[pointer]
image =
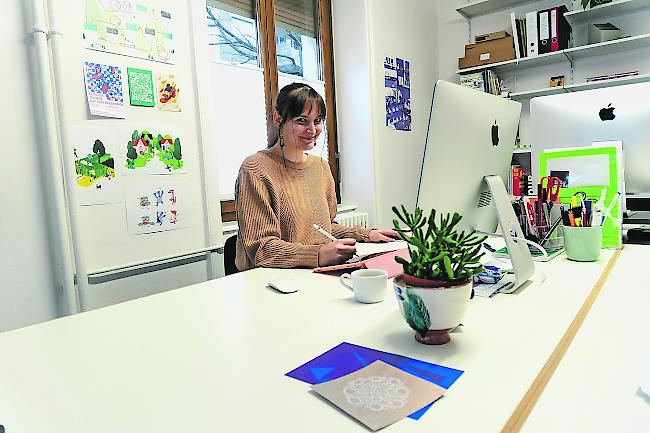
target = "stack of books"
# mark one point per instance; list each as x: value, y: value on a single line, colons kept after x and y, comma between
x: 485, y: 81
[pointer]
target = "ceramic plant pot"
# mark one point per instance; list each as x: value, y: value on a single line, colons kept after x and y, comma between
x: 431, y: 308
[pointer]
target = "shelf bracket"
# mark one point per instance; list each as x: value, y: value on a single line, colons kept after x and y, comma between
x: 572, y: 70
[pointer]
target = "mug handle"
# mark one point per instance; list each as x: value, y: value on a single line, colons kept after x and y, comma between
x: 346, y: 277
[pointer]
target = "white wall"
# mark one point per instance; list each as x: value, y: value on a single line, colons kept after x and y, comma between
x: 380, y: 167
x: 28, y: 292
x: 455, y: 31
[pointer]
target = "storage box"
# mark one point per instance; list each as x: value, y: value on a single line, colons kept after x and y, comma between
x: 493, y: 50
x: 602, y: 33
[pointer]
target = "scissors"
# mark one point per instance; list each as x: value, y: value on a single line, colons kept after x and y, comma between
x: 550, y: 188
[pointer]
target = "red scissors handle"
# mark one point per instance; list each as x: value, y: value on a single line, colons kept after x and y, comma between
x: 551, y: 188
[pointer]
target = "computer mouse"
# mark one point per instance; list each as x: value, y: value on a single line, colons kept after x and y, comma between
x: 283, y: 285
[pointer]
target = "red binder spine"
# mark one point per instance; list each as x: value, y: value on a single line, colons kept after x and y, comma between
x: 555, y: 42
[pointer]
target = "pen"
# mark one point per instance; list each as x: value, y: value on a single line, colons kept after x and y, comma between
x: 324, y: 233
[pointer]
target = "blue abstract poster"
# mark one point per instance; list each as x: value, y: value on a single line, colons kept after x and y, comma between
x: 347, y: 358
x: 397, y: 83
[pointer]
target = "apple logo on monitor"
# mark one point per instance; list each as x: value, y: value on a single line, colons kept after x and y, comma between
x: 607, y: 113
x: 495, y: 134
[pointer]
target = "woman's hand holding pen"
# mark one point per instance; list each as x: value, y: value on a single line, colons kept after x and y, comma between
x: 336, y: 252
x: 383, y: 235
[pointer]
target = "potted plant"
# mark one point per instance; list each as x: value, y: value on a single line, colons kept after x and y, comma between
x: 592, y: 3
x: 436, y: 286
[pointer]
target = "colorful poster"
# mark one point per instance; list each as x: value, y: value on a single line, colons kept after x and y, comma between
x: 96, y: 180
x: 155, y: 150
x: 397, y: 83
x: 168, y: 93
x: 104, y: 90
x: 155, y: 208
x: 140, y: 87
x: 130, y: 28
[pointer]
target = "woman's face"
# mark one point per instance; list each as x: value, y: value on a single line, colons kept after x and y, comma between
x: 302, y: 131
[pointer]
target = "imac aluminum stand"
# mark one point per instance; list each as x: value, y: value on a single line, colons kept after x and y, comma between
x: 522, y: 262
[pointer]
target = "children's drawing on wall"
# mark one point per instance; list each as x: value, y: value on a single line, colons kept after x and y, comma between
x: 140, y: 87
x: 130, y: 28
x: 157, y: 207
x: 96, y: 180
x: 104, y: 90
x: 155, y: 151
x: 397, y: 83
x: 168, y: 93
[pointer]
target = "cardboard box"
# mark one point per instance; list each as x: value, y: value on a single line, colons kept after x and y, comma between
x: 602, y: 33
x: 490, y: 36
x: 491, y: 51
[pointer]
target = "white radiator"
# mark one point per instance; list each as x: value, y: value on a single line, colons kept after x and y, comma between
x: 350, y: 219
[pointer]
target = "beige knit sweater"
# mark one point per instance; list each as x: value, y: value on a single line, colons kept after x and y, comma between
x: 277, y: 207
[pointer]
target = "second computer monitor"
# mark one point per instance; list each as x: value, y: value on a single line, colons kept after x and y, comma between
x: 471, y: 135
x: 619, y: 113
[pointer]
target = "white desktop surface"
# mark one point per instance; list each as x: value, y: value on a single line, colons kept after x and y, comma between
x: 596, y: 385
x: 212, y: 357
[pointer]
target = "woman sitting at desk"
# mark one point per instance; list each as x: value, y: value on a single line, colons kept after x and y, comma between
x: 281, y: 192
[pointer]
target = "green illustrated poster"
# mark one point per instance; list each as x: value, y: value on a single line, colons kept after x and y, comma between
x: 158, y: 150
x: 140, y: 87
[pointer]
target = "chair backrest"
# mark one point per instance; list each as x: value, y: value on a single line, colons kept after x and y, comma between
x: 229, y: 253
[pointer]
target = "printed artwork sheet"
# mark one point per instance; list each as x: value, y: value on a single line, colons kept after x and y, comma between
x: 379, y: 394
x: 152, y: 149
x: 104, y: 90
x: 140, y: 87
x: 95, y: 160
x: 168, y: 92
x: 157, y: 207
x: 131, y: 28
x: 397, y: 85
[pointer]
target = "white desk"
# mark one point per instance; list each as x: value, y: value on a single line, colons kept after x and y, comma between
x: 212, y: 357
x: 595, y: 387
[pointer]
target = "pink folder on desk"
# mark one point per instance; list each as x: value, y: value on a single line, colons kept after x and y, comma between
x: 385, y: 261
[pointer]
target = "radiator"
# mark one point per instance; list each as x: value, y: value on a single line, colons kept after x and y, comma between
x: 350, y: 219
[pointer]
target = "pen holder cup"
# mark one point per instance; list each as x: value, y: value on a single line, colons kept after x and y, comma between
x: 583, y: 244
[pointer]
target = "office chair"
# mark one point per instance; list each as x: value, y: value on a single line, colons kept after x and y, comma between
x: 229, y: 253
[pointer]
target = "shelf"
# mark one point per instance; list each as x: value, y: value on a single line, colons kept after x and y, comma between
x: 617, y: 45
x: 484, y: 7
x: 580, y: 87
x: 524, y: 150
x: 514, y: 64
x: 614, y: 8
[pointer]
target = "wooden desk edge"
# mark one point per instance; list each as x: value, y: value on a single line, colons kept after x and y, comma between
x: 527, y: 403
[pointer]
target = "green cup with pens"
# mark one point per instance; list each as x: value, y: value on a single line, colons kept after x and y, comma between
x: 583, y: 227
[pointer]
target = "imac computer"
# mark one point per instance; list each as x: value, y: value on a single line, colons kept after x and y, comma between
x: 620, y: 113
x: 466, y: 162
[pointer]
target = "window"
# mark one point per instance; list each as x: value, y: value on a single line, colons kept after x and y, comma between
x: 247, y: 72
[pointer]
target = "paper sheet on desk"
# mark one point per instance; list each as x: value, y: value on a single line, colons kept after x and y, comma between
x: 346, y: 358
x: 364, y: 249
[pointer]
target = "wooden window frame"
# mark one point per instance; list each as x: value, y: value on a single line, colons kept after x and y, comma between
x: 266, y: 24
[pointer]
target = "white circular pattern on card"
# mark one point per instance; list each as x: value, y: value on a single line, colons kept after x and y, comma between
x: 377, y: 393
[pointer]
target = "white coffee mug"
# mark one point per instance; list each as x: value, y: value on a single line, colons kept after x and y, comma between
x: 368, y: 285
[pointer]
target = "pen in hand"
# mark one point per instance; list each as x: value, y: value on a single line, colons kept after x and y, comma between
x: 319, y: 229
x: 324, y: 233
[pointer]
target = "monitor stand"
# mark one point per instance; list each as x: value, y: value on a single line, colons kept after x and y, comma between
x: 522, y: 262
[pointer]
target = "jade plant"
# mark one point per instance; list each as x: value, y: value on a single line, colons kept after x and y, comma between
x: 438, y: 251
x: 592, y: 3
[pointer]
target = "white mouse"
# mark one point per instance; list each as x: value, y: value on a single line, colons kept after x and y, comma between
x: 283, y: 285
